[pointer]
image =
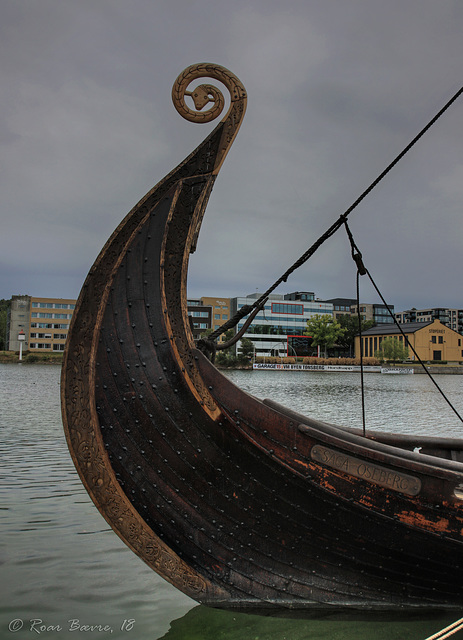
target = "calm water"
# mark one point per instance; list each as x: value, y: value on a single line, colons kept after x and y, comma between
x: 60, y: 562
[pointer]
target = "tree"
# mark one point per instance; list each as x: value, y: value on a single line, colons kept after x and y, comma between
x: 324, y: 331
x: 392, y: 349
x: 247, y: 349
x: 4, y: 306
x: 351, y: 325
x: 227, y: 357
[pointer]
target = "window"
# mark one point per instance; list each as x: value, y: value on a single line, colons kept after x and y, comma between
x: 58, y: 347
x: 297, y: 309
x: 433, y: 339
x: 441, y: 339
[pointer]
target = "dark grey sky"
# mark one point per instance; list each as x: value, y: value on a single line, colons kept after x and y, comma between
x: 336, y: 89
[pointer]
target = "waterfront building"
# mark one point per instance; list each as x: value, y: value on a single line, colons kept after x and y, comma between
x: 452, y: 318
x: 432, y: 341
x: 44, y: 321
x: 378, y: 313
x: 220, y: 310
x: 279, y: 328
x: 200, y: 317
x: 206, y: 313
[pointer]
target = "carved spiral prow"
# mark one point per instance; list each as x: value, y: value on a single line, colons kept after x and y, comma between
x: 206, y: 94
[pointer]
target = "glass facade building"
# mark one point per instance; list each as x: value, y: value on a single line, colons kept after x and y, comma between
x: 279, y: 328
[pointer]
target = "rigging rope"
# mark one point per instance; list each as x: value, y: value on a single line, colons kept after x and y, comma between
x: 362, y: 270
x: 362, y: 385
x: 334, y: 227
x: 208, y: 344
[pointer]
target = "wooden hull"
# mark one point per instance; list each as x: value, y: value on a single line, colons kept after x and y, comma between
x: 236, y: 502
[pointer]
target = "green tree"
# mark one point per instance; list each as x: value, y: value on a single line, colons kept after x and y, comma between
x: 324, y: 331
x: 227, y: 357
x: 392, y: 349
x: 4, y: 306
x: 247, y: 349
x: 351, y: 326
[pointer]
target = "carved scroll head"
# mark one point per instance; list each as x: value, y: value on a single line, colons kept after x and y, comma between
x: 206, y: 94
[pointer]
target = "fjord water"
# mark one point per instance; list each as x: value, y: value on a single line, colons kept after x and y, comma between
x: 64, y: 571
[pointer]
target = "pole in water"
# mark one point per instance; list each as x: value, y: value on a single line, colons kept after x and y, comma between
x: 448, y: 631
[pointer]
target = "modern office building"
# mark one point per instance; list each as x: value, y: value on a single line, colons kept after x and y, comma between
x: 208, y: 313
x: 220, y: 309
x: 279, y: 329
x: 452, y: 318
x: 200, y: 317
x: 431, y: 340
x: 45, y: 322
x: 378, y: 313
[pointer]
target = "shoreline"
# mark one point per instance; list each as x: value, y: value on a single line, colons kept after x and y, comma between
x: 10, y: 357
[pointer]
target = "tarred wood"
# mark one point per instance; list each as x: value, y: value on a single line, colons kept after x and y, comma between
x: 235, y: 501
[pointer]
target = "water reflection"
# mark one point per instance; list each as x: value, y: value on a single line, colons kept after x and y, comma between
x: 405, y: 403
x: 59, y: 560
x: 203, y: 623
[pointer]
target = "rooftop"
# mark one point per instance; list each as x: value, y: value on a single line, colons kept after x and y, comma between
x: 391, y: 328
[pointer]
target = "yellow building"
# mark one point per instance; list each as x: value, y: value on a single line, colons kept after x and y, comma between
x: 432, y: 341
x: 220, y: 311
x: 44, y: 321
x: 49, y: 323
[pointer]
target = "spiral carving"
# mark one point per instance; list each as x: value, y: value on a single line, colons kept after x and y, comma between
x: 205, y: 94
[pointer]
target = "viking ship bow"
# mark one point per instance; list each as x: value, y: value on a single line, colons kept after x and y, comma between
x: 235, y: 501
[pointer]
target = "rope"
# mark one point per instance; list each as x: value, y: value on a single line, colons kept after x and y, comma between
x: 340, y: 221
x: 343, y: 217
x: 361, y: 268
x: 448, y: 631
x: 361, y: 271
x: 362, y: 383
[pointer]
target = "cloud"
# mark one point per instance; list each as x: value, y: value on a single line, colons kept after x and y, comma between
x: 336, y: 90
x: 450, y: 186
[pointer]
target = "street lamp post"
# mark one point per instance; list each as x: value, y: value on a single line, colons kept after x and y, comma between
x: 21, y: 339
x: 290, y: 346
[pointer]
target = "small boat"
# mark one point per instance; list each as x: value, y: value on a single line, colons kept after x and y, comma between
x: 236, y: 501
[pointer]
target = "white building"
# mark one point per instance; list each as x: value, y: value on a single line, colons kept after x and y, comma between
x: 279, y: 328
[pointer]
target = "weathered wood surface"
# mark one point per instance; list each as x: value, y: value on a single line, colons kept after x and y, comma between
x: 235, y: 502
